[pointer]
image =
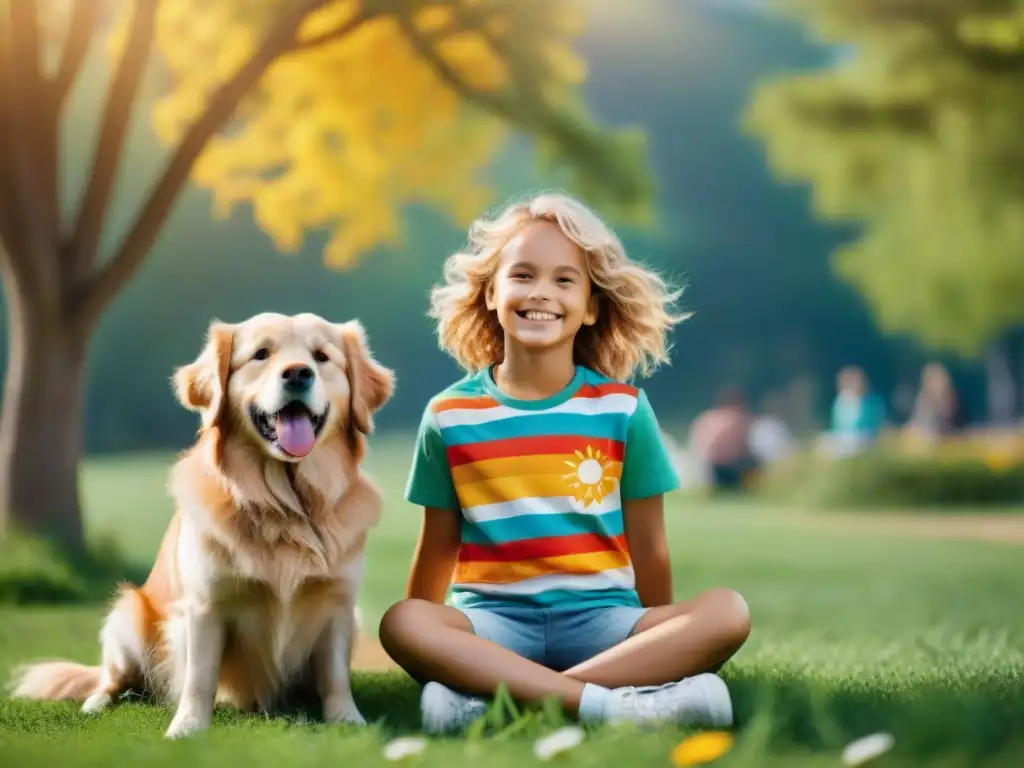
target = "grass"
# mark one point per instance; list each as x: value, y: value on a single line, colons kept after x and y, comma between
x: 854, y: 632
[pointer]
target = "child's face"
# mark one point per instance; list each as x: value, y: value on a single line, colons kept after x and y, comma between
x: 852, y: 382
x: 541, y: 290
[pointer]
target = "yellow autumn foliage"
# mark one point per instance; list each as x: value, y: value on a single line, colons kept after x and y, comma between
x: 342, y: 134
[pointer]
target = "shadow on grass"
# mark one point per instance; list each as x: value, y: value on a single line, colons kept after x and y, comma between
x: 36, y: 572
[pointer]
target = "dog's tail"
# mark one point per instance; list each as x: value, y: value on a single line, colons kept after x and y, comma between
x: 55, y: 681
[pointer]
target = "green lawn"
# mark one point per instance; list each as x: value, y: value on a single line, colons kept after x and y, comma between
x: 853, y: 632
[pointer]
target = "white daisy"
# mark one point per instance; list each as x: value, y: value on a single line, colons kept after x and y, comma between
x: 557, y: 742
x: 867, y: 748
x: 407, y: 746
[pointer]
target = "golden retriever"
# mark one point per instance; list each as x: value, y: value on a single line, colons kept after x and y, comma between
x: 254, y: 587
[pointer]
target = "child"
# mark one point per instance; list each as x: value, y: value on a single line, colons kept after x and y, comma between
x: 858, y: 414
x: 541, y: 475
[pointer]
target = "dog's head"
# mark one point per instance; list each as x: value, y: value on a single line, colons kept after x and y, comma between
x: 286, y: 383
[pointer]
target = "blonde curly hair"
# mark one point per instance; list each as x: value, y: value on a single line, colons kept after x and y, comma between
x: 634, y: 303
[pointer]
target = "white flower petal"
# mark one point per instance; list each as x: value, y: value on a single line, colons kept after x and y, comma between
x: 407, y: 746
x: 867, y: 748
x: 557, y: 742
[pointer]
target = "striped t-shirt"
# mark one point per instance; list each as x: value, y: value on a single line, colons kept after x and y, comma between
x: 540, y: 486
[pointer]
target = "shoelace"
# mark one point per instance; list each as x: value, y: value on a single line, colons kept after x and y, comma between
x: 649, y: 701
x: 662, y: 687
x: 658, y: 700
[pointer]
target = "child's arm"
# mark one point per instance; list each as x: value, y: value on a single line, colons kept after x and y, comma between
x: 436, y: 554
x: 647, y: 475
x: 430, y: 487
x: 644, y: 520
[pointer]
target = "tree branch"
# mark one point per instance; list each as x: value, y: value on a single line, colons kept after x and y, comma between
x: 80, y: 31
x: 334, y: 35
x: 528, y: 82
x: 532, y: 114
x: 30, y: 149
x: 426, y: 49
x: 97, y: 292
x: 365, y: 14
x: 9, y: 203
x: 92, y: 214
x: 600, y: 165
x: 25, y: 41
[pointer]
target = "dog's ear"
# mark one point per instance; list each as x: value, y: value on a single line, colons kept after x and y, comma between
x: 202, y: 384
x: 370, y: 384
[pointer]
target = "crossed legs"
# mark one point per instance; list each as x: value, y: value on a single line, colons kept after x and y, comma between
x: 436, y: 642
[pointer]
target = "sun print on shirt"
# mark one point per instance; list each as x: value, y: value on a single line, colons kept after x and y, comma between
x: 591, y: 478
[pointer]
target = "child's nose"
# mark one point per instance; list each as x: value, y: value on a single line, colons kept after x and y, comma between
x: 540, y: 290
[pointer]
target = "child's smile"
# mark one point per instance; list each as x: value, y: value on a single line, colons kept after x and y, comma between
x: 537, y: 315
x: 541, y: 292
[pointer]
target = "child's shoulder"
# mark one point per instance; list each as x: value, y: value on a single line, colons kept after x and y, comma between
x: 469, y: 387
x: 597, y: 384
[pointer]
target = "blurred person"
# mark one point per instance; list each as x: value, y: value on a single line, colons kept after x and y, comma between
x: 858, y: 414
x: 770, y: 438
x: 721, y: 438
x: 541, y: 476
x: 937, y: 412
x: 690, y: 471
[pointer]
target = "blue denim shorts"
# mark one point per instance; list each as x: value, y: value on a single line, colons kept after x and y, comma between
x: 559, y: 638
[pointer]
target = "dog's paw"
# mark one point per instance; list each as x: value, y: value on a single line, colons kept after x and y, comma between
x: 185, y: 723
x: 355, y: 717
x: 352, y: 717
x: 97, y: 702
x: 343, y: 710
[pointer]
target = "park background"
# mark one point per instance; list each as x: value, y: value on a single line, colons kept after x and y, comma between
x: 771, y: 314
x: 761, y: 196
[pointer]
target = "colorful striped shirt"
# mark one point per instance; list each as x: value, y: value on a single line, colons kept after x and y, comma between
x: 540, y: 486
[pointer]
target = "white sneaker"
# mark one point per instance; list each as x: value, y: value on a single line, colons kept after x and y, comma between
x: 443, y: 710
x: 702, y: 700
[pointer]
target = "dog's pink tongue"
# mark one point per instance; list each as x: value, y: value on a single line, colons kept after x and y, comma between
x: 295, y: 433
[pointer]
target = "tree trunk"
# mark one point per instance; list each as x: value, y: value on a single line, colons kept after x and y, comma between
x: 41, y: 426
x: 57, y: 288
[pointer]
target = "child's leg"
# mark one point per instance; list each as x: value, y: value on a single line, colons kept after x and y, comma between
x: 436, y: 643
x: 671, y: 642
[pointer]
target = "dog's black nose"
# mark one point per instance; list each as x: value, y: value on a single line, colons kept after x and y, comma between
x: 297, y: 378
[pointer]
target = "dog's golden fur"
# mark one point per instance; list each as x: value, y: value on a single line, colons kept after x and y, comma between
x: 264, y: 555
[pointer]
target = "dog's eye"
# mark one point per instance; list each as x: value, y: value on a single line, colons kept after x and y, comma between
x: 320, y: 356
x: 261, y: 354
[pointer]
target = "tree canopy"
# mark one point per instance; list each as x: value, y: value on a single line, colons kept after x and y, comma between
x: 382, y: 103
x: 321, y: 114
x: 913, y: 134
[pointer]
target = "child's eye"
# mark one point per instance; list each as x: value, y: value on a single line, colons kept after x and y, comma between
x: 520, y: 276
x: 565, y: 280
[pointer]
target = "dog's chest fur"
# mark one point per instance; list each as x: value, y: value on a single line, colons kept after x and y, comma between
x: 275, y: 573
x: 277, y: 558
x: 293, y: 538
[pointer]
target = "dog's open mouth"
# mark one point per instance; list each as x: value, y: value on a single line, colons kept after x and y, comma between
x: 293, y: 429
